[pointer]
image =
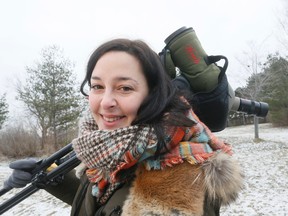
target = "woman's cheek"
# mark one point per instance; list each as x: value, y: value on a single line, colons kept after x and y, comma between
x: 92, y: 103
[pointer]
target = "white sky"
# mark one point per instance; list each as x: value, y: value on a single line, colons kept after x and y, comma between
x: 78, y: 27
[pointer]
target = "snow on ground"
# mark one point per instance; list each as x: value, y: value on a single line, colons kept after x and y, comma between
x: 264, y: 162
x: 265, y: 165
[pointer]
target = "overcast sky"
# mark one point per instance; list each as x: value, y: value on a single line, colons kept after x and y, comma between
x: 224, y: 27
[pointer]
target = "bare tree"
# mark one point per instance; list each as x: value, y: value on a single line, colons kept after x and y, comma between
x: 252, y: 64
x: 283, y: 22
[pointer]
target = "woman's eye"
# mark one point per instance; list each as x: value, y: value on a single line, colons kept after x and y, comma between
x: 96, y: 87
x: 126, y: 88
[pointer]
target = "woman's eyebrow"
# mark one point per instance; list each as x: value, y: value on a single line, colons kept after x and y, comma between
x: 95, y: 78
x: 120, y: 78
x: 126, y: 78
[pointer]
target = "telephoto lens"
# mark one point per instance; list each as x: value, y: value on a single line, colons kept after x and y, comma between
x: 260, y: 109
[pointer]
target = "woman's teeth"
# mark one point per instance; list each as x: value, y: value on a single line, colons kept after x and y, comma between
x: 111, y: 119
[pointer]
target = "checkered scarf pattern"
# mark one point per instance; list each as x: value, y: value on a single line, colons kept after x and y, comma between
x: 109, y: 153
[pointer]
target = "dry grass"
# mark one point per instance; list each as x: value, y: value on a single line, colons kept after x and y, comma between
x: 17, y: 142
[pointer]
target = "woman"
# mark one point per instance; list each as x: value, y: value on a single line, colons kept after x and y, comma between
x: 142, y: 148
x: 143, y: 131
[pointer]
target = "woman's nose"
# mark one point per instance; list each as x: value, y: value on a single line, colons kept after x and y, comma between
x: 108, y: 100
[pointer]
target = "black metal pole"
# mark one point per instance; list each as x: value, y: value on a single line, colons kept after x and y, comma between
x: 38, y: 182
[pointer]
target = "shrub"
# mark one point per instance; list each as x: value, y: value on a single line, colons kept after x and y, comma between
x: 17, y: 142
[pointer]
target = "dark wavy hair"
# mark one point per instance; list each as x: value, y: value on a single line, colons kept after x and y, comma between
x: 162, y: 98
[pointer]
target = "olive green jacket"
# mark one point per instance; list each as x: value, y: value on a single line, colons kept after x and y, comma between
x: 184, y: 189
x: 77, y: 193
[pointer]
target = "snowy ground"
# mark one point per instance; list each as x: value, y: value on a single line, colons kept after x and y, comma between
x: 265, y: 164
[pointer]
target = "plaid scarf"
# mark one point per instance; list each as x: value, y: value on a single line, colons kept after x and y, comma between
x: 110, y: 155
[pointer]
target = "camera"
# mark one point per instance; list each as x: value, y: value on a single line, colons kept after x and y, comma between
x: 190, y: 68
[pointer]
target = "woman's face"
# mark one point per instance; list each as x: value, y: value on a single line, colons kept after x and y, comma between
x: 118, y: 88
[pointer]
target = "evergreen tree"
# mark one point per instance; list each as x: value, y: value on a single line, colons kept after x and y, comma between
x: 50, y: 95
x: 275, y: 91
x: 3, y: 110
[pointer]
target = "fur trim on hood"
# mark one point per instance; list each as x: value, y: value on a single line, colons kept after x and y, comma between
x: 223, y: 178
x: 182, y: 188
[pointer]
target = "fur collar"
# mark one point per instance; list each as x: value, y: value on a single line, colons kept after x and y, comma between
x: 182, y: 188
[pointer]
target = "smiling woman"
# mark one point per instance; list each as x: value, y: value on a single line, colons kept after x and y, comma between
x: 143, y: 151
x: 135, y: 116
x: 118, y: 88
